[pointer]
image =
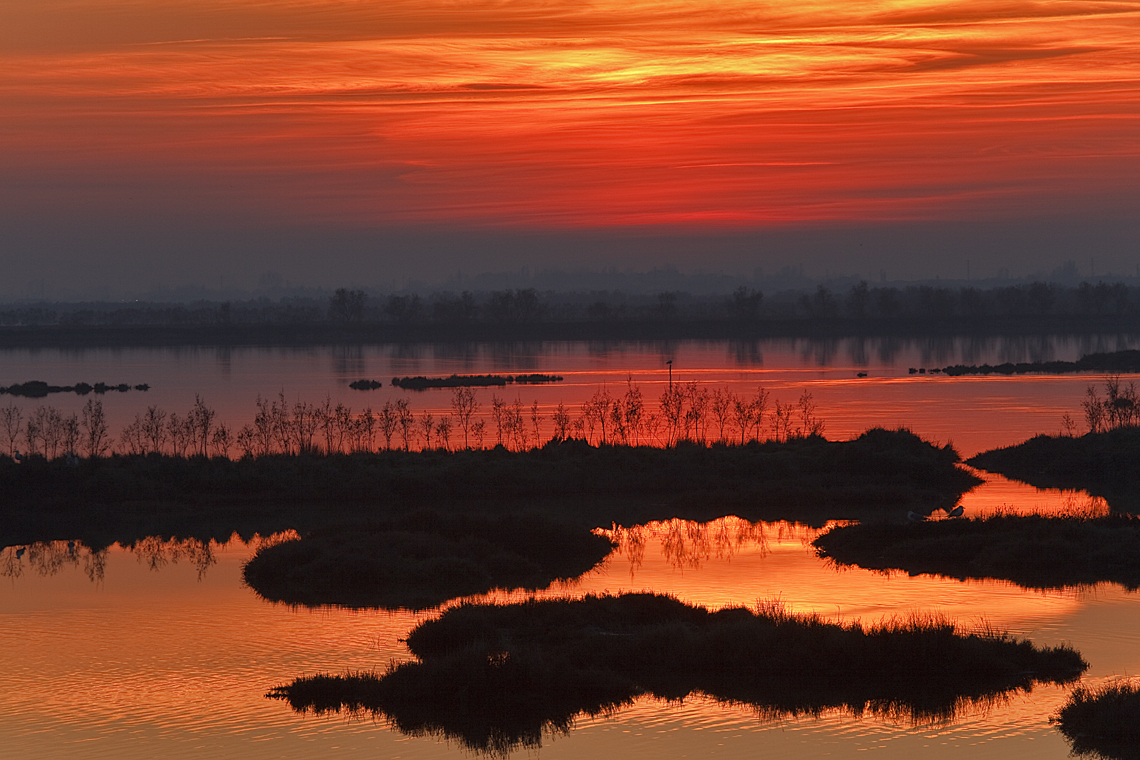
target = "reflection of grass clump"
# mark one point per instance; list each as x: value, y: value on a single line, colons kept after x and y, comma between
x: 1033, y: 551
x: 497, y: 676
x: 1104, y: 722
x: 422, y: 560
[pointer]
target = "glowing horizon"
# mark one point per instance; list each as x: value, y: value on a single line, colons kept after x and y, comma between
x: 558, y: 115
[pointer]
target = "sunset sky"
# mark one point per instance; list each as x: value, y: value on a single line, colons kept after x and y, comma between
x: 149, y: 142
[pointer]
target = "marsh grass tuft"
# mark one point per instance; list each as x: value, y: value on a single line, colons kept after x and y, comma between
x: 501, y: 676
x: 1033, y: 551
x: 1103, y: 722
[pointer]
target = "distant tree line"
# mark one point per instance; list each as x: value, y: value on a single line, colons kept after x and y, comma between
x: 859, y: 304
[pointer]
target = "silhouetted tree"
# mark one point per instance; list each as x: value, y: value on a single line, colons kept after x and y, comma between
x: 200, y: 420
x: 11, y: 422
x: 347, y: 305
x: 94, y: 423
x: 404, y: 420
x: 403, y: 308
x: 561, y: 420
x: 443, y: 431
x: 744, y: 304
x: 858, y: 299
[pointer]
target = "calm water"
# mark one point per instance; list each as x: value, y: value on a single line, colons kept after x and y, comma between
x: 158, y: 650
x: 974, y: 413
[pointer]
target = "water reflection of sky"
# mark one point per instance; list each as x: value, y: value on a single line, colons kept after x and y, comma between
x: 168, y: 655
x: 974, y: 413
x: 158, y: 650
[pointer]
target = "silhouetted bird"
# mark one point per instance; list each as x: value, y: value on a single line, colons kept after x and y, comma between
x: 18, y: 456
x: 957, y: 511
x: 20, y: 552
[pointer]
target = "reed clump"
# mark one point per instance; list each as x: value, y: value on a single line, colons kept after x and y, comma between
x: 500, y: 676
x: 1033, y: 551
x: 1103, y: 722
x: 422, y: 560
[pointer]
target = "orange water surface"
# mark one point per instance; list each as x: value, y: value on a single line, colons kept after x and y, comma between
x: 159, y: 650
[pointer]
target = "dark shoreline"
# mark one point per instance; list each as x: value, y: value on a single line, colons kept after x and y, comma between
x: 375, y: 333
x: 1113, y: 362
x: 1032, y: 551
x: 1106, y: 464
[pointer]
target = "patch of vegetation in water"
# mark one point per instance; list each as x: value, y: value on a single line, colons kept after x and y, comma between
x: 1033, y: 551
x: 497, y: 677
x: 1105, y: 464
x: 422, y: 560
x: 420, y: 382
x: 1115, y: 361
x: 1103, y: 722
x: 40, y: 389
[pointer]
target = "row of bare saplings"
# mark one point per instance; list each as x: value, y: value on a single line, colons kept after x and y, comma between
x: 685, y: 412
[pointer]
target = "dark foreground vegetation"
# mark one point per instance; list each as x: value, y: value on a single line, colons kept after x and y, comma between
x: 497, y: 677
x: 421, y: 383
x: 422, y: 560
x: 1115, y: 362
x: 1104, y: 722
x: 1030, y: 550
x: 809, y: 479
x: 40, y: 389
x: 354, y: 316
x: 1106, y: 464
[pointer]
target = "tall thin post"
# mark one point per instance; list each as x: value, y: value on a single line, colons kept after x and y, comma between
x: 670, y: 363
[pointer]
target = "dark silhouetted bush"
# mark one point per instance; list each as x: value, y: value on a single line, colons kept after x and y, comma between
x: 422, y: 560
x: 500, y: 676
x: 1104, y: 722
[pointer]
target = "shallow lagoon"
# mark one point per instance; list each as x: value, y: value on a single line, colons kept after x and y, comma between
x: 166, y: 654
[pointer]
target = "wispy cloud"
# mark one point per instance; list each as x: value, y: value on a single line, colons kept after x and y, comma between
x: 577, y: 113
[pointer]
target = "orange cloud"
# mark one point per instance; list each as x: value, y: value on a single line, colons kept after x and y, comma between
x: 569, y: 114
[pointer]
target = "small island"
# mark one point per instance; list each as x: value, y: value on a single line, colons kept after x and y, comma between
x: 500, y: 677
x: 420, y: 383
x: 1033, y: 551
x: 422, y: 560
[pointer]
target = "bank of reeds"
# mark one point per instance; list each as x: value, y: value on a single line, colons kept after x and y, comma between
x: 1033, y: 551
x: 422, y: 560
x: 806, y: 479
x: 499, y: 676
x: 1103, y: 722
